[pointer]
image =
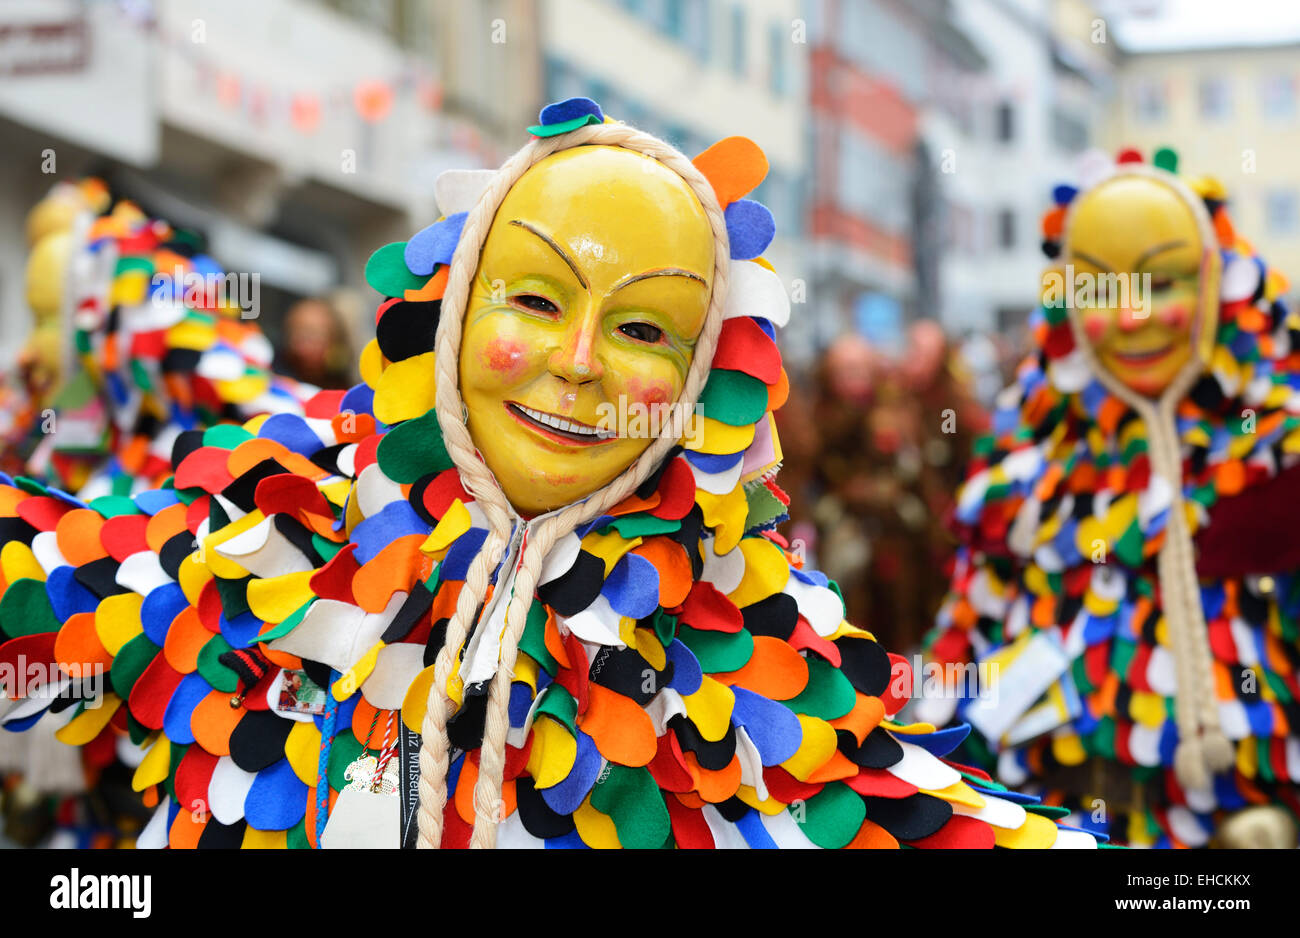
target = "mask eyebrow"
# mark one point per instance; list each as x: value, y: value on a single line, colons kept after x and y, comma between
x: 1100, y: 265
x: 556, y: 248
x: 1158, y: 249
x: 666, y: 272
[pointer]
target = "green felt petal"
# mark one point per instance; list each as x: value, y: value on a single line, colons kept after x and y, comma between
x: 110, y: 506
x: 413, y: 449
x: 25, y: 609
x: 554, y: 130
x: 642, y: 525
x: 225, y: 436
x: 288, y: 625
x: 631, y: 798
x: 828, y: 696
x: 214, y: 672
x: 833, y: 816
x: 733, y: 398
x: 560, y: 704
x: 129, y: 663
x: 343, y: 753
x: 387, y: 272
x: 718, y: 651
x: 533, y: 641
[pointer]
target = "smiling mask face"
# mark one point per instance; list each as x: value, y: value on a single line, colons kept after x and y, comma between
x: 1141, y: 328
x: 592, y: 288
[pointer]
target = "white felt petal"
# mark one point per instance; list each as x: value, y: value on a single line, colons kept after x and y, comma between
x: 1201, y: 800
x: 820, y: 605
x: 1184, y: 826
x: 227, y: 790
x: 920, y: 768
x: 598, y: 623
x: 1074, y: 840
x: 512, y: 835
x: 1244, y: 638
x: 725, y: 572
x: 1293, y: 758
x: 338, y: 633
x: 1240, y: 278
x: 233, y: 511
x: 375, y: 490
x: 756, y: 291
x: 1070, y: 374
x: 346, y: 460
x: 324, y: 429
x: 395, y: 668
x: 751, y: 763
x: 663, y: 707
x: 220, y: 365
x: 1160, y: 672
x: 1005, y: 814
x: 264, y: 552
x: 154, y: 835
x: 717, y: 483
x: 142, y: 572
x: 458, y: 190
x: 152, y: 314
x: 45, y: 547
x: 130, y: 754
x: 1009, y: 769
x: 257, y: 348
x: 560, y: 559
x: 786, y: 832
x: 726, y: 836
x: 1144, y: 744
x: 38, y: 699
x: 1233, y: 719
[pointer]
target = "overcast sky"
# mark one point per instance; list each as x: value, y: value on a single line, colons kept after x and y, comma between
x: 1190, y: 24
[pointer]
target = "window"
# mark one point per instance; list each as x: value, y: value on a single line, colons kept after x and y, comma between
x: 1277, y: 96
x: 1069, y: 132
x: 1216, y: 99
x: 674, y: 18
x: 1006, y: 122
x: 736, y: 56
x: 1150, y: 101
x: 1281, y: 212
x: 1007, y: 229
x: 777, y: 43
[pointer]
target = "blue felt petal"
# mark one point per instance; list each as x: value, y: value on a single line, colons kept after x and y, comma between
x: 27, y: 722
x: 751, y: 828
x: 176, y: 718
x: 632, y: 587
x: 397, y: 519
x: 713, y: 462
x: 773, y: 727
x: 940, y: 742
x: 65, y: 497
x: 461, y: 554
x: 568, y: 109
x: 67, y: 596
x: 687, y: 673
x: 239, y: 632
x: 360, y: 399
x: 434, y: 245
x: 153, y: 501
x: 160, y: 609
x: 766, y: 326
x: 1014, y: 796
x: 277, y: 799
x: 570, y: 841
x: 751, y: 228
x: 292, y: 431
x: 521, y: 701
x: 566, y: 796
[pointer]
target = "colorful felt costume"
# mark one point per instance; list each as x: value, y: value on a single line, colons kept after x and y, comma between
x: 1136, y: 594
x: 678, y: 680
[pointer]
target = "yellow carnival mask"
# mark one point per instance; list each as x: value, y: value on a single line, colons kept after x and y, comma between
x: 1141, y: 245
x: 591, y: 290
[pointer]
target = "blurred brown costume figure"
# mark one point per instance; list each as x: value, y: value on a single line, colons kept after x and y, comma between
x: 874, y: 460
x: 316, y: 347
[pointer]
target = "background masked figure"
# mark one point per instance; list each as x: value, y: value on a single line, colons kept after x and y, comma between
x: 1131, y: 536
x: 591, y: 624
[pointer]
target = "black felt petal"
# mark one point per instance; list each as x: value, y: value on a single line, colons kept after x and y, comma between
x: 234, y: 595
x: 408, y: 617
x: 865, y: 664
x: 578, y: 588
x: 651, y: 484
x: 318, y: 671
x: 328, y: 458
x: 437, y: 635
x: 416, y: 497
x: 624, y: 671
x: 16, y: 529
x: 536, y: 815
x: 100, y: 577
x: 218, y: 836
x: 777, y: 616
x: 178, y: 547
x: 688, y: 535
x: 878, y: 751
x: 465, y: 729
x: 407, y: 329
x: 180, y: 360
x: 297, y: 534
x: 711, y: 756
x: 909, y: 818
x: 257, y: 741
x: 186, y: 443
x: 733, y: 809
x: 241, y: 491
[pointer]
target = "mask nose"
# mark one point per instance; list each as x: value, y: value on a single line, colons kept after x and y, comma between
x: 575, y: 360
x: 1130, y: 320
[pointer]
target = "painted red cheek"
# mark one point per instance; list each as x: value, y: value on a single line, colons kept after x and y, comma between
x: 1175, y: 316
x: 650, y: 392
x: 506, y: 357
x: 1094, y: 327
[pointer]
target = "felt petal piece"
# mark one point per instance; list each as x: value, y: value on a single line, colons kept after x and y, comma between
x: 743, y: 346
x: 434, y: 245
x: 833, y: 816
x: 458, y: 190
x: 632, y: 587
x: 567, y: 796
x: 634, y: 802
x: 756, y: 291
x: 277, y: 799
x: 734, y: 167
x: 620, y: 728
x: 751, y: 228
x: 387, y: 272
x: 733, y: 397
x: 773, y: 728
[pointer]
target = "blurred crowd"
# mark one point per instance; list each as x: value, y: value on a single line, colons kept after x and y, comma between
x: 875, y: 448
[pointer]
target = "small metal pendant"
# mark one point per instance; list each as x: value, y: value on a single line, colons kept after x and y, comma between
x: 361, y: 772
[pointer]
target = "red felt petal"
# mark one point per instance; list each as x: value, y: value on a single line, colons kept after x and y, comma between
x: 43, y: 512
x: 881, y: 784
x: 668, y: 767
x: 205, y: 468
x: 894, y: 696
x: 324, y: 404
x: 785, y: 788
x: 290, y: 494
x: 690, y: 829
x: 960, y: 833
x: 442, y: 491
x: 17, y: 654
x: 366, y: 453
x: 152, y: 692
x: 707, y: 608
x: 193, y: 776
x: 803, y: 638
x: 124, y: 535
x: 197, y: 513
x: 676, y: 492
x: 744, y: 346
x: 334, y: 580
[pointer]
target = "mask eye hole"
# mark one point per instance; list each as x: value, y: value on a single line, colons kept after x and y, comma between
x: 1161, y: 283
x: 533, y: 303
x: 642, y: 332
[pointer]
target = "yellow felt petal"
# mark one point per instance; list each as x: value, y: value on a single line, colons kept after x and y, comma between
x: 128, y: 288
x: 651, y: 649
x: 450, y: 526
x: 264, y: 840
x: 356, y: 675
x: 193, y: 576
x: 908, y: 729
x: 117, y: 620
x: 245, y: 389
x: 713, y: 437
x: 726, y: 514
x: 710, y: 708
x: 372, y: 363
x: 1068, y: 748
x: 553, y: 753
x: 771, y: 806
x: 1147, y: 708
x: 526, y: 671
x: 88, y: 724
x: 416, y: 701
x: 766, y: 571
x: 221, y: 566
x: 609, y: 547
x: 814, y: 751
x: 302, y: 749
x: 254, y: 424
x: 337, y: 491
x: 596, y: 830
x: 192, y: 334
x: 957, y: 793
x: 277, y: 598
x: 154, y: 766
x: 1037, y: 833
x: 18, y: 562
x: 405, y: 389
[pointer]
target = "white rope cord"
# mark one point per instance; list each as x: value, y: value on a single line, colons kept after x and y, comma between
x: 478, y: 479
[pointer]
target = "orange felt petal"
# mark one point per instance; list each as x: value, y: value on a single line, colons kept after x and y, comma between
x: 186, y: 829
x: 77, y: 646
x: 185, y: 639
x: 734, y: 167
x: 77, y: 535
x: 775, y: 670
x: 396, y: 567
x: 165, y: 525
x: 837, y: 767
x: 866, y: 714
x: 623, y: 732
x: 715, y: 787
x: 465, y: 790
x: 311, y: 814
x: 251, y: 452
x: 633, y: 503
x: 9, y: 499
x: 555, y: 644
x: 674, y: 567
x: 213, y: 720
x: 365, y: 716
x: 433, y: 288
x: 779, y: 392
x: 871, y: 836
x: 690, y: 799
